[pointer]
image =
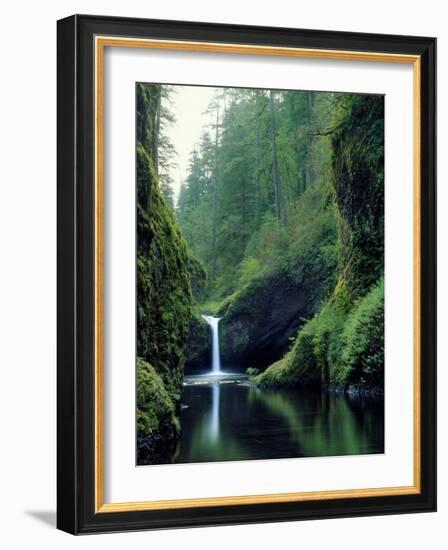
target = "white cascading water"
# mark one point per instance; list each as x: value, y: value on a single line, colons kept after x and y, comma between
x: 216, y: 361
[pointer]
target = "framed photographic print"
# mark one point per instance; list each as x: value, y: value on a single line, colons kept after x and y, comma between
x: 246, y: 274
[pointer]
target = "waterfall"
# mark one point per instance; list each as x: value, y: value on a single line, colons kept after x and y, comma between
x: 216, y: 362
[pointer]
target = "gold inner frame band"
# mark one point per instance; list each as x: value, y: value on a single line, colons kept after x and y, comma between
x: 101, y: 42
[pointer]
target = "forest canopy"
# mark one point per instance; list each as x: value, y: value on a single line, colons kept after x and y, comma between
x: 278, y: 228
x: 240, y: 206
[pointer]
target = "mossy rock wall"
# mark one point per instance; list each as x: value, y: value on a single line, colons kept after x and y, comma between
x: 157, y: 423
x: 358, y: 179
x: 258, y: 322
x: 199, y: 342
x: 199, y: 346
x: 343, y: 344
x: 163, y: 281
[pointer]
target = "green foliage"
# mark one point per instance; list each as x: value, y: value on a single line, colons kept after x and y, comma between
x: 287, y: 274
x: 167, y: 194
x: 283, y: 212
x: 210, y: 307
x: 155, y: 408
x: 163, y: 281
x: 279, y: 373
x: 147, y: 100
x: 228, y: 208
x: 252, y: 372
x: 309, y: 360
x: 361, y: 357
x: 158, y: 427
x: 249, y: 269
x: 358, y: 178
x: 344, y: 343
x: 198, y: 278
x: 163, y: 292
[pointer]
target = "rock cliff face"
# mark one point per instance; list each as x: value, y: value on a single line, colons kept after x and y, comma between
x: 157, y: 421
x: 258, y: 322
x: 163, y: 295
x: 343, y: 344
x: 199, y: 346
x: 358, y: 180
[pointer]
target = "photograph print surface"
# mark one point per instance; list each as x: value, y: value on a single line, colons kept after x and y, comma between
x: 260, y: 274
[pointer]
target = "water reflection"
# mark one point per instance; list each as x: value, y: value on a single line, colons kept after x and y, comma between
x: 214, y: 418
x: 234, y: 421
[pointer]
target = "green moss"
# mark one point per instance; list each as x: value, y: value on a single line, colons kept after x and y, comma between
x: 157, y: 424
x: 252, y: 372
x: 358, y: 180
x: 308, y: 362
x: 344, y: 344
x: 278, y: 373
x: 155, y: 408
x: 249, y: 270
x: 362, y: 342
x: 163, y: 280
x: 163, y: 285
x: 260, y: 318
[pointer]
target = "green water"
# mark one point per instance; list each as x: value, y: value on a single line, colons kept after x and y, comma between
x: 236, y: 421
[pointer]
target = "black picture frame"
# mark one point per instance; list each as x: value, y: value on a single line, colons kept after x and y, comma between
x: 76, y: 512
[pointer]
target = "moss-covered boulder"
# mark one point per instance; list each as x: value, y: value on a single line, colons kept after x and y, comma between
x: 342, y: 345
x: 157, y: 423
x: 163, y: 280
x: 259, y: 320
x: 308, y: 362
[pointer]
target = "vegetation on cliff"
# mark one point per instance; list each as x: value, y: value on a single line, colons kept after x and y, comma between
x: 163, y: 291
x: 340, y: 346
x: 260, y: 319
x: 157, y: 424
x: 343, y: 343
x: 278, y: 232
x: 283, y: 206
x: 256, y: 210
x: 282, y: 210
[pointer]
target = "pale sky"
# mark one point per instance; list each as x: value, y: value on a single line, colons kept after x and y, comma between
x: 189, y: 105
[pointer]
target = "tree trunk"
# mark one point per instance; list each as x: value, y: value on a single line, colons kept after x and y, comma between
x: 257, y: 176
x: 310, y: 176
x: 277, y: 183
x: 215, y: 196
